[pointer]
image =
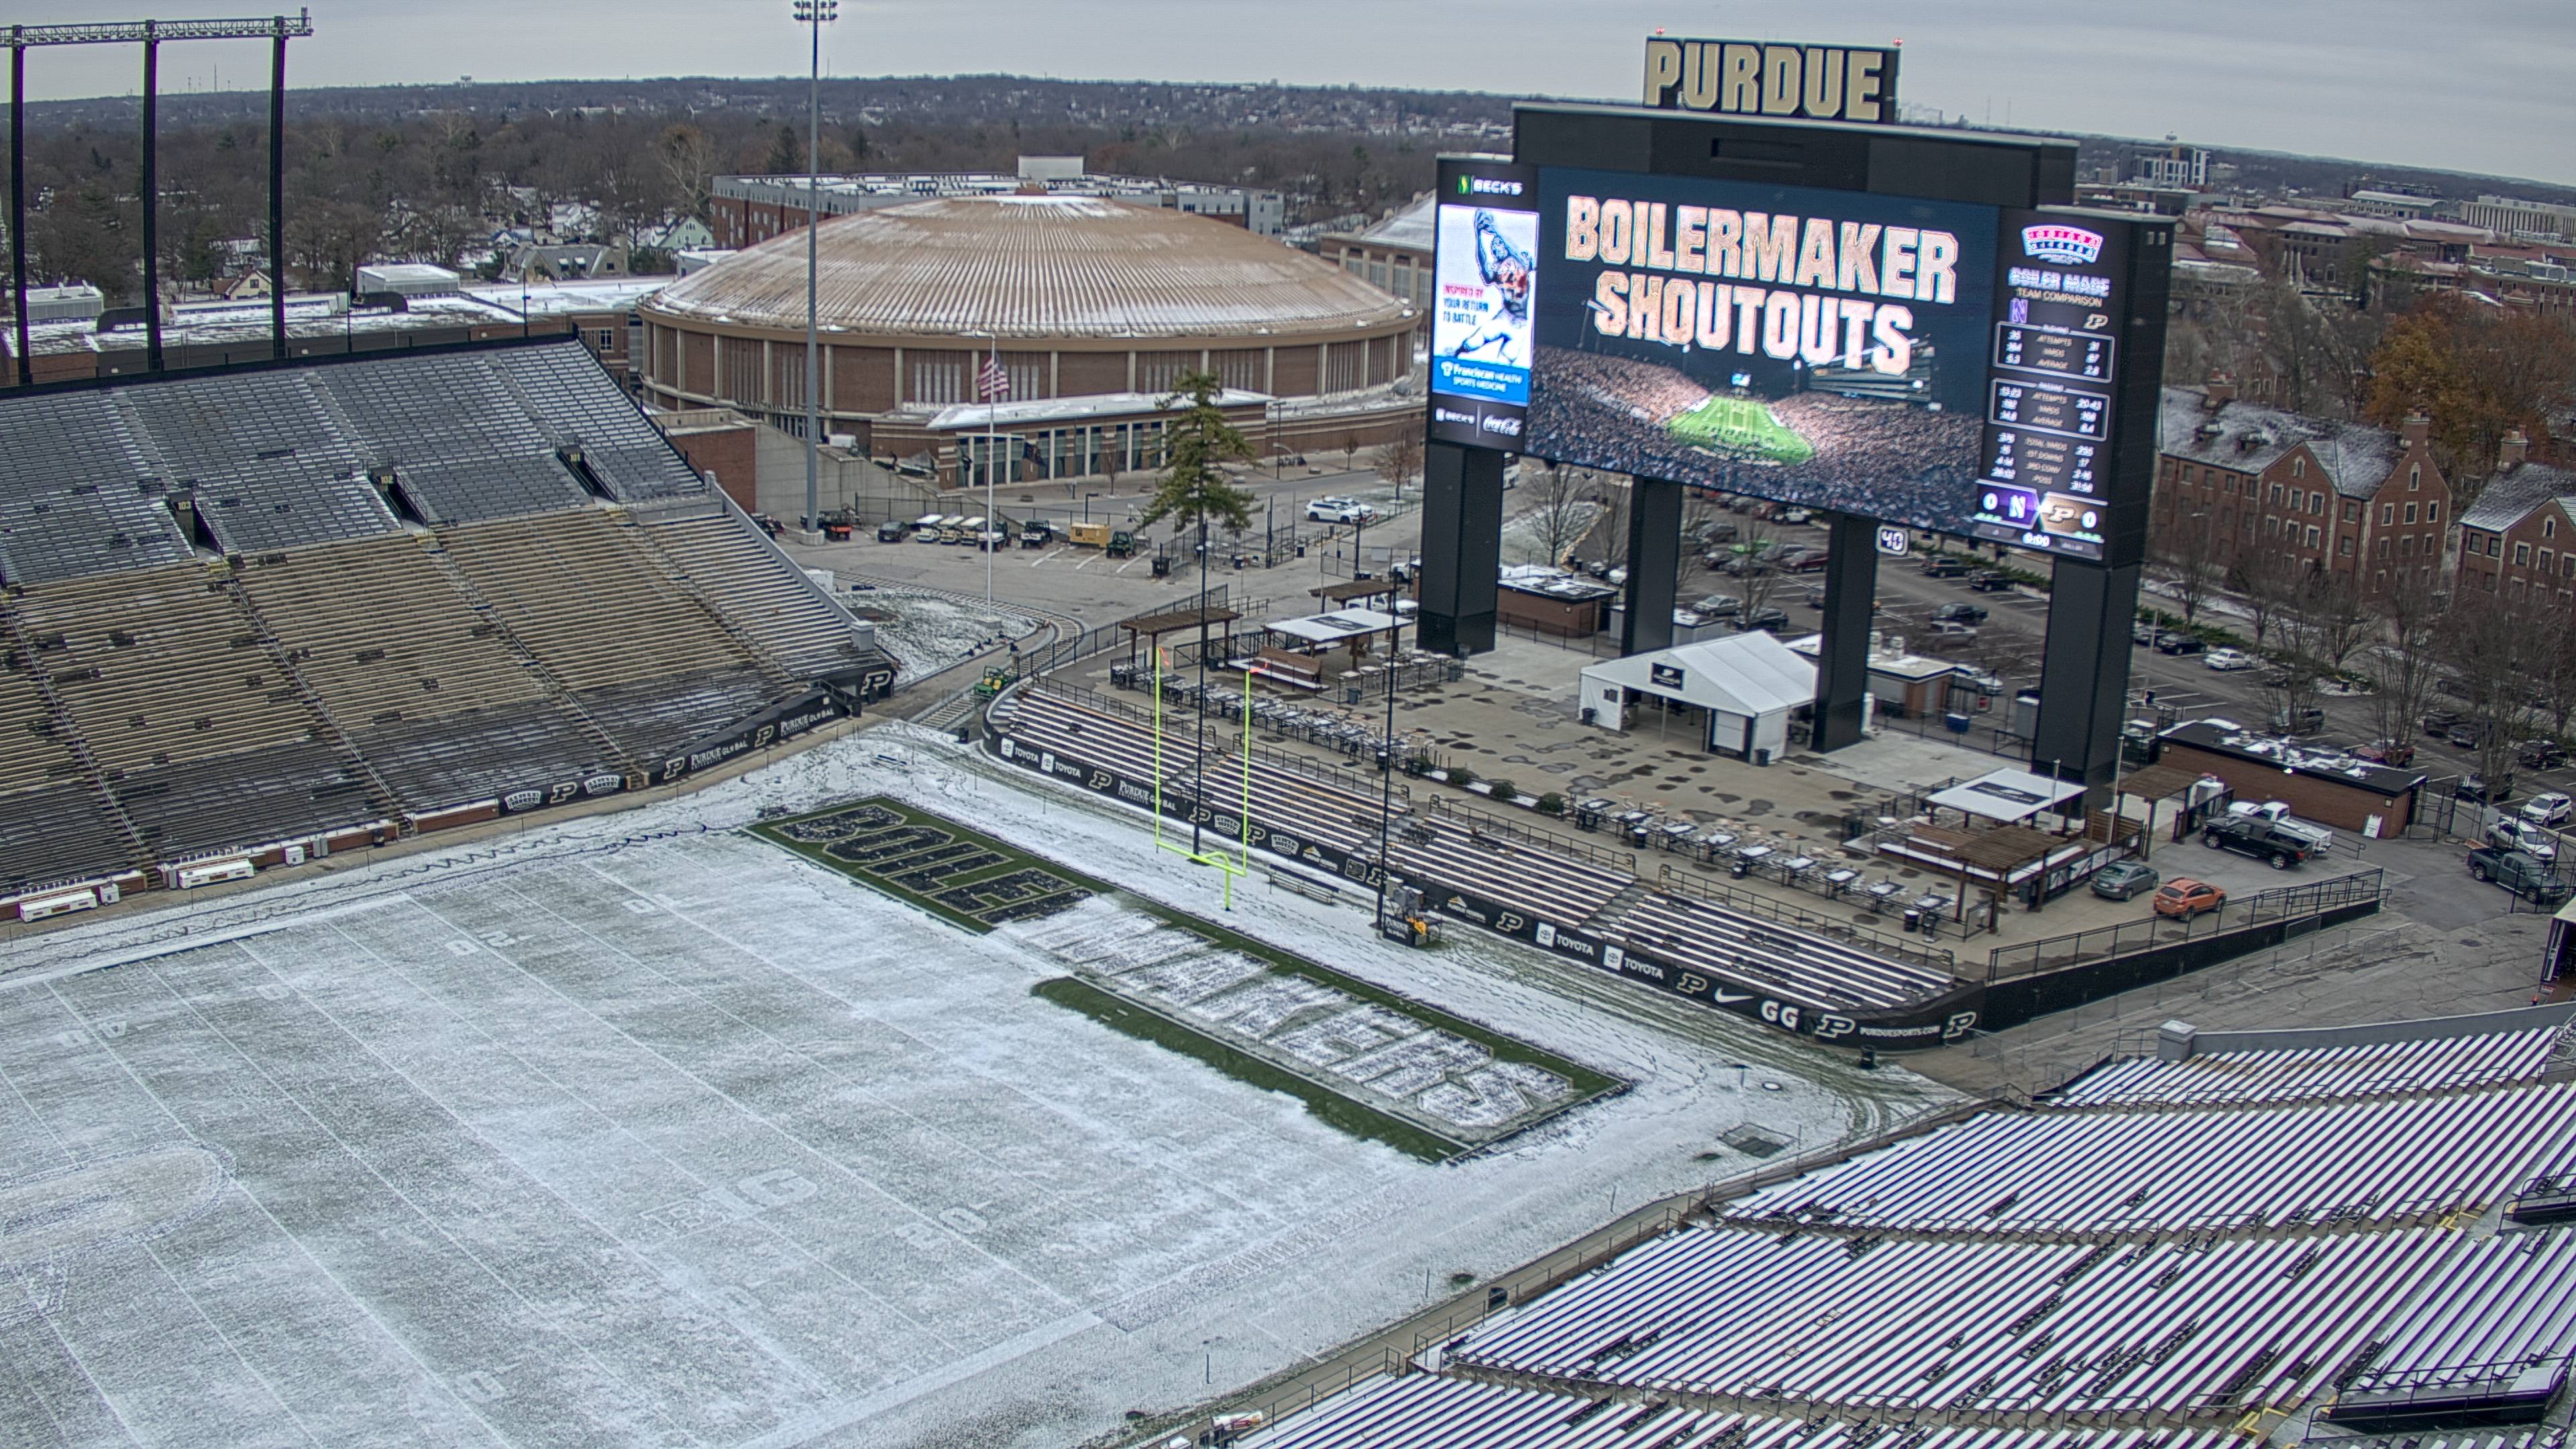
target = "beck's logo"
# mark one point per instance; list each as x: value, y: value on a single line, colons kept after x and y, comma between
x: 2066, y: 245
x: 1487, y: 186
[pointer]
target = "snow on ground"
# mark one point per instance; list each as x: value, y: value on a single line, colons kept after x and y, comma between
x: 631, y: 1130
x: 928, y: 632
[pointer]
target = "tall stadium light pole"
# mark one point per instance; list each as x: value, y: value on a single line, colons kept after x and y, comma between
x: 151, y: 196
x: 18, y: 196
x: 277, y: 191
x: 814, y: 15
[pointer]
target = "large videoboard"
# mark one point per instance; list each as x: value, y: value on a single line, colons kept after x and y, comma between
x: 1945, y: 365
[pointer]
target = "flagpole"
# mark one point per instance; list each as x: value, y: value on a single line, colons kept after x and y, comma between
x: 992, y: 407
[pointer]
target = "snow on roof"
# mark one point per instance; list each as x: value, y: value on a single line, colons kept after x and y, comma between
x: 1412, y: 225
x: 556, y: 299
x: 2249, y: 437
x: 2510, y: 496
x: 2005, y: 794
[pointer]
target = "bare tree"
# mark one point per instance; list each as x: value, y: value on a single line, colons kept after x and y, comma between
x: 2187, y: 549
x: 1563, y: 514
x: 2409, y: 651
x: 2335, y: 619
x: 2268, y: 580
x: 2487, y: 643
x: 1755, y: 546
x: 1400, y: 460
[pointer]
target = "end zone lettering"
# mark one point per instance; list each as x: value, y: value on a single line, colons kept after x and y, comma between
x: 1751, y: 78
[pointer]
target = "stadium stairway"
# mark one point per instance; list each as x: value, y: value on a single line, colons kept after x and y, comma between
x: 382, y: 800
x: 58, y: 727
x: 607, y: 744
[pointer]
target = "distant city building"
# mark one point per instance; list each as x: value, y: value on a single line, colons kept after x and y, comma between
x: 407, y: 279
x: 2515, y: 217
x: 79, y: 302
x: 2177, y: 167
x: 2344, y: 498
x: 747, y: 210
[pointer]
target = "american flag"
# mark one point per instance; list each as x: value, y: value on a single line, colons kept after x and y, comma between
x: 992, y: 384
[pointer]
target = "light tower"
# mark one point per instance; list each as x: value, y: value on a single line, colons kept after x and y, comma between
x: 814, y: 15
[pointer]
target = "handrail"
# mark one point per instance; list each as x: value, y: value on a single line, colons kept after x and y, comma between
x: 1930, y: 957
x: 1547, y: 840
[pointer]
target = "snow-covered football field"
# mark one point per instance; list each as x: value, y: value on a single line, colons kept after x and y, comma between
x: 618, y: 1131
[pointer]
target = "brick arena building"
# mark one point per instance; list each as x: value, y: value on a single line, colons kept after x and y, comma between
x: 1096, y: 306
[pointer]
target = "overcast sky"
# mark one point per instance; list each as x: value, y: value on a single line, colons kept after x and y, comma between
x: 2471, y: 85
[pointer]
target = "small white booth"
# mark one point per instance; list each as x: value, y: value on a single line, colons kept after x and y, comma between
x: 1736, y: 694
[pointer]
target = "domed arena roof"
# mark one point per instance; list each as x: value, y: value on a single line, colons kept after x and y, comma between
x: 1034, y: 267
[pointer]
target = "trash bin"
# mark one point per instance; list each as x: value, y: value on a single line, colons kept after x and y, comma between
x: 1739, y: 867
x: 1913, y: 918
x: 1162, y: 566
x: 1957, y: 722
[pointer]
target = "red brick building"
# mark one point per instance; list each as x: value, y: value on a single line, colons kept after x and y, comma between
x: 2342, y: 497
x: 2520, y: 536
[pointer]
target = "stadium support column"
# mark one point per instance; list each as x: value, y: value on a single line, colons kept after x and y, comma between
x: 1842, y: 656
x: 2084, y: 678
x: 1654, y: 564
x: 1462, y: 548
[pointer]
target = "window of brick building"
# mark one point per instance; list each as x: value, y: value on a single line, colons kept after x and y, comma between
x: 2351, y: 512
x: 2410, y: 513
x: 2548, y: 561
x: 2344, y: 545
x: 2432, y: 513
x: 2495, y: 545
x: 2387, y: 513
x: 2549, y: 528
x: 2521, y: 555
x: 2312, y: 535
x: 2383, y: 548
x: 2299, y: 466
x: 2406, y: 546
x: 2414, y: 476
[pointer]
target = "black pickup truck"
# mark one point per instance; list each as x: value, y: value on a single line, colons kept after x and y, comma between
x: 2260, y: 838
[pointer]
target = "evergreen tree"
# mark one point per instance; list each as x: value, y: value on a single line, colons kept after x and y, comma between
x: 1194, y: 491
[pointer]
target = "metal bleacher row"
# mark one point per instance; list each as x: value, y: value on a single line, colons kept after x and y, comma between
x: 250, y: 606
x: 2193, y: 1282
x: 1557, y: 888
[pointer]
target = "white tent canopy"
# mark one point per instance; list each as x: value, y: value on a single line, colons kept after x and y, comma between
x: 2005, y: 795
x: 1746, y: 684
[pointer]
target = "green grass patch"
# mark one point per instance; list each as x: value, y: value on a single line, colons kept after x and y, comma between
x: 1740, y: 425
x: 1129, y: 1018
x: 1013, y: 859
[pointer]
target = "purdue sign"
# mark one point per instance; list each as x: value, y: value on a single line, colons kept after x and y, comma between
x: 1756, y: 78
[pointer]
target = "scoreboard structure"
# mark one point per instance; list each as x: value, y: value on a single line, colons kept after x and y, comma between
x: 1896, y: 326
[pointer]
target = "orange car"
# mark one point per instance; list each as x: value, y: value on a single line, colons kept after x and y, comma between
x: 2186, y: 898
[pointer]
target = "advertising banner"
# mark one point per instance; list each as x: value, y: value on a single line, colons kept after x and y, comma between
x: 1484, y: 291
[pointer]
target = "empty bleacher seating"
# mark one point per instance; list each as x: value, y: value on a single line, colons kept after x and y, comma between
x: 1735, y: 946
x: 1524, y: 876
x: 222, y: 635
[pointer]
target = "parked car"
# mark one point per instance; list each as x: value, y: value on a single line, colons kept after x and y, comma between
x: 2176, y: 642
x: 1337, y: 510
x: 1939, y: 567
x: 2228, y: 661
x: 2474, y: 786
x: 2298, y: 720
x: 2439, y: 722
x: 2548, y: 808
x: 2512, y: 832
x: 1991, y: 582
x: 2395, y: 754
x: 2263, y: 839
x: 1807, y: 561
x: 2467, y: 734
x: 2526, y: 877
x: 2540, y: 754
x: 1710, y: 533
x: 2142, y: 632
x: 1970, y: 614
x: 1953, y: 628
x: 2123, y: 880
x: 1768, y: 619
x: 893, y: 531
x: 1719, y: 606
x: 1979, y: 680
x: 1796, y: 515
x: 2185, y: 898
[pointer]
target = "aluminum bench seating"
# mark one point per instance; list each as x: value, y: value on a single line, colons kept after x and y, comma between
x: 1744, y: 948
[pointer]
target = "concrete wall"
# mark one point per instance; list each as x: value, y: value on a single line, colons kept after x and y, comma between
x: 2440, y: 1028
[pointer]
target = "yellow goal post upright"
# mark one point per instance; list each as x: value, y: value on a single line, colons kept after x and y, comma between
x: 1228, y: 867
